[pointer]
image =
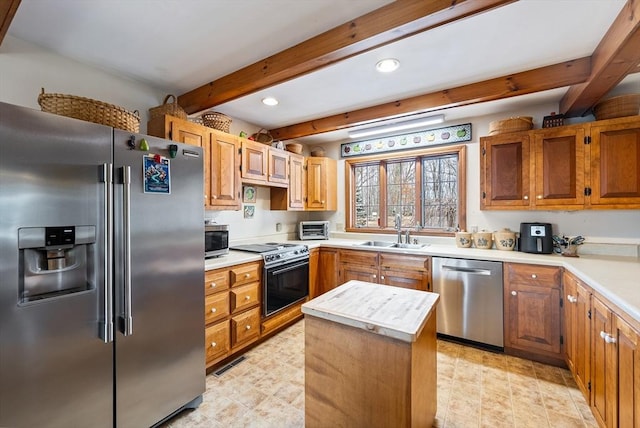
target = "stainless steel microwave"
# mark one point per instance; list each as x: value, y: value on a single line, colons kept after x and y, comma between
x: 216, y: 240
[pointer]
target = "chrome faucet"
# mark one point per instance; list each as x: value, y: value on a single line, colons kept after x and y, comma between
x: 407, y: 236
x: 398, y: 224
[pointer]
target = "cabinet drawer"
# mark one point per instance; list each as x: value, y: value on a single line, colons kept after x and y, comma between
x: 244, y: 296
x: 408, y: 261
x: 216, y: 280
x: 542, y: 276
x: 368, y: 258
x: 216, y: 307
x: 245, y: 326
x: 217, y: 342
x: 245, y: 273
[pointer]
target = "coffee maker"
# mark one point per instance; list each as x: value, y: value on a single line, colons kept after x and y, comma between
x: 536, y: 238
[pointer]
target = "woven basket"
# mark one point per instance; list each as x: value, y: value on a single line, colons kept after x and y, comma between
x: 217, y: 121
x: 263, y: 136
x: 513, y: 124
x: 294, y: 148
x: 620, y: 106
x: 90, y: 111
x: 317, y: 152
x: 171, y: 109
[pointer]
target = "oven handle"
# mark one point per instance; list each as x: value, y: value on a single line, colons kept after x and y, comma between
x: 289, y: 268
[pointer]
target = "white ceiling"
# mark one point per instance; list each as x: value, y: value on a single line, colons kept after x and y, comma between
x: 178, y: 45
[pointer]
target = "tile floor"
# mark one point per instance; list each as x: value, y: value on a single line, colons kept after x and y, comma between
x: 475, y: 389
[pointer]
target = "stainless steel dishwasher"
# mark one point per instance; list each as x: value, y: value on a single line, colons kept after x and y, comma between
x: 471, y: 295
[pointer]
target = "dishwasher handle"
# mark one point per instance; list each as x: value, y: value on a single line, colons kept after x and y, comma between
x: 474, y: 271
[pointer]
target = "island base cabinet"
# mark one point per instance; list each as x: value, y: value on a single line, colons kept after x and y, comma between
x: 375, y: 381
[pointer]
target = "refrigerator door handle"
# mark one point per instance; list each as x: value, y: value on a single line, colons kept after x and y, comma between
x: 106, y: 328
x: 127, y: 318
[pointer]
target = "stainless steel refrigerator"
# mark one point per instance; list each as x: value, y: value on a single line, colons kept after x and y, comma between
x: 101, y: 273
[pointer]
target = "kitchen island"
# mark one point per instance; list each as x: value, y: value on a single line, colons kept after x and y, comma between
x: 370, y: 357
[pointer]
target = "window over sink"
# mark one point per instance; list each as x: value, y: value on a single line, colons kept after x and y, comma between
x: 426, y: 187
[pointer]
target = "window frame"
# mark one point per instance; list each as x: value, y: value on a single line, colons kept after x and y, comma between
x: 416, y: 156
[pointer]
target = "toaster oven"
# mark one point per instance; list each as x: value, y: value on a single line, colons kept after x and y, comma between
x: 313, y: 230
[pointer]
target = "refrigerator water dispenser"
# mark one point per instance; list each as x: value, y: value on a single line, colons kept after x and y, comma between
x: 55, y: 261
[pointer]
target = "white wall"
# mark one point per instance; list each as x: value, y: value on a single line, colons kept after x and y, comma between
x: 621, y: 226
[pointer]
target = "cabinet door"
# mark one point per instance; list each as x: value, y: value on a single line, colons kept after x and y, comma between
x: 570, y: 319
x: 217, y: 341
x: 189, y: 133
x: 615, y: 165
x: 603, y: 400
x: 558, y: 156
x: 349, y: 271
x: 414, y: 280
x: 278, y: 166
x: 327, y: 271
x: 321, y: 184
x: 582, y: 339
x: 296, y: 181
x: 628, y: 391
x: 254, y: 161
x: 224, y: 161
x: 532, y: 294
x: 245, y: 327
x: 504, y: 172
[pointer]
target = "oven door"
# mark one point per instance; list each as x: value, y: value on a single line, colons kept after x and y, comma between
x: 284, y: 285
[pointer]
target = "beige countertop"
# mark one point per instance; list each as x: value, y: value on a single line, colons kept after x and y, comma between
x: 395, y: 312
x: 617, y: 278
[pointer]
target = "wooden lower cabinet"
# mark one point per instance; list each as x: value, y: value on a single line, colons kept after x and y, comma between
x: 628, y: 374
x: 400, y: 270
x: 577, y: 330
x: 532, y: 312
x: 327, y: 268
x: 232, y: 310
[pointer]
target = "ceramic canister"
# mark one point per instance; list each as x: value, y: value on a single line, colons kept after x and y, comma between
x: 463, y: 239
x: 483, y: 240
x: 505, y: 239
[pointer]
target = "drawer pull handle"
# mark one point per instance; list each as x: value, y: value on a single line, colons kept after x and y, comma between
x: 213, y: 310
x: 248, y: 327
x: 534, y: 276
x: 610, y: 339
x: 213, y: 285
x: 214, y: 344
x: 514, y: 293
x: 247, y: 297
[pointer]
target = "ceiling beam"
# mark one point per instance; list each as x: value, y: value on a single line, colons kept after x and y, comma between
x: 617, y: 55
x: 540, y: 79
x: 390, y: 23
x: 8, y: 10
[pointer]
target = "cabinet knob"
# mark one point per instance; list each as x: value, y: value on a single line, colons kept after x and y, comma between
x: 213, y: 285
x: 214, y: 197
x: 571, y: 299
x: 381, y: 276
x: 609, y: 339
x: 539, y: 197
x: 514, y: 293
x: 214, y: 310
x: 322, y: 202
x: 534, y: 276
x: 375, y: 276
x: 603, y: 334
x: 213, y: 344
x: 247, y: 275
x: 247, y: 297
x: 526, y: 198
x: 248, y: 327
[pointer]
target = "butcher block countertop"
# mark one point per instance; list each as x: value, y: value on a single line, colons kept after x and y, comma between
x: 395, y: 312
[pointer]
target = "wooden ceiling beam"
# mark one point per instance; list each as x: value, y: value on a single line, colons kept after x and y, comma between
x: 8, y: 10
x: 539, y: 79
x: 390, y: 23
x: 617, y: 55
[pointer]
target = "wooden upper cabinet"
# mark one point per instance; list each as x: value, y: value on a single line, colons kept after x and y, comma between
x: 254, y: 161
x: 278, y: 166
x: 504, y: 171
x: 321, y: 184
x: 558, y: 164
x: 224, y: 179
x: 297, y: 181
x: 615, y: 164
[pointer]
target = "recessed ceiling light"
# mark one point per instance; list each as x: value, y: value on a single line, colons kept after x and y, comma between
x: 270, y: 101
x: 387, y: 65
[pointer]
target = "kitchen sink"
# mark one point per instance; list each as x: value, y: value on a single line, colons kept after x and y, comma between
x: 387, y: 244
